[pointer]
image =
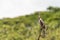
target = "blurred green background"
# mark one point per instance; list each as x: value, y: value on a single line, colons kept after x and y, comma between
x: 27, y: 27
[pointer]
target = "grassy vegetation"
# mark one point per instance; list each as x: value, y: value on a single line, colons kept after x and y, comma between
x: 27, y: 27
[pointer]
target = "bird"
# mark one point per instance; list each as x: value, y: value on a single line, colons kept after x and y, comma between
x: 42, y: 27
x: 41, y: 22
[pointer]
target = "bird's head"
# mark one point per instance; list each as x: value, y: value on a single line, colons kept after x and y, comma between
x: 39, y: 17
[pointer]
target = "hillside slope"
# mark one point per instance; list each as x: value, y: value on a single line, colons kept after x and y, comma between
x: 27, y: 27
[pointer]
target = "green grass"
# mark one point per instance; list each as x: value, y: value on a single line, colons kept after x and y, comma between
x: 27, y: 27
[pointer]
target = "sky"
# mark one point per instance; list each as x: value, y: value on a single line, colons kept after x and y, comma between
x: 13, y: 8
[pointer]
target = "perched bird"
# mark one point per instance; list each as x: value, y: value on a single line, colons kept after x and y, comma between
x: 42, y: 24
x: 42, y: 27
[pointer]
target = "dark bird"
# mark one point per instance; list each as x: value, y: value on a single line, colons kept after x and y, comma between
x: 42, y: 27
x: 42, y: 24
